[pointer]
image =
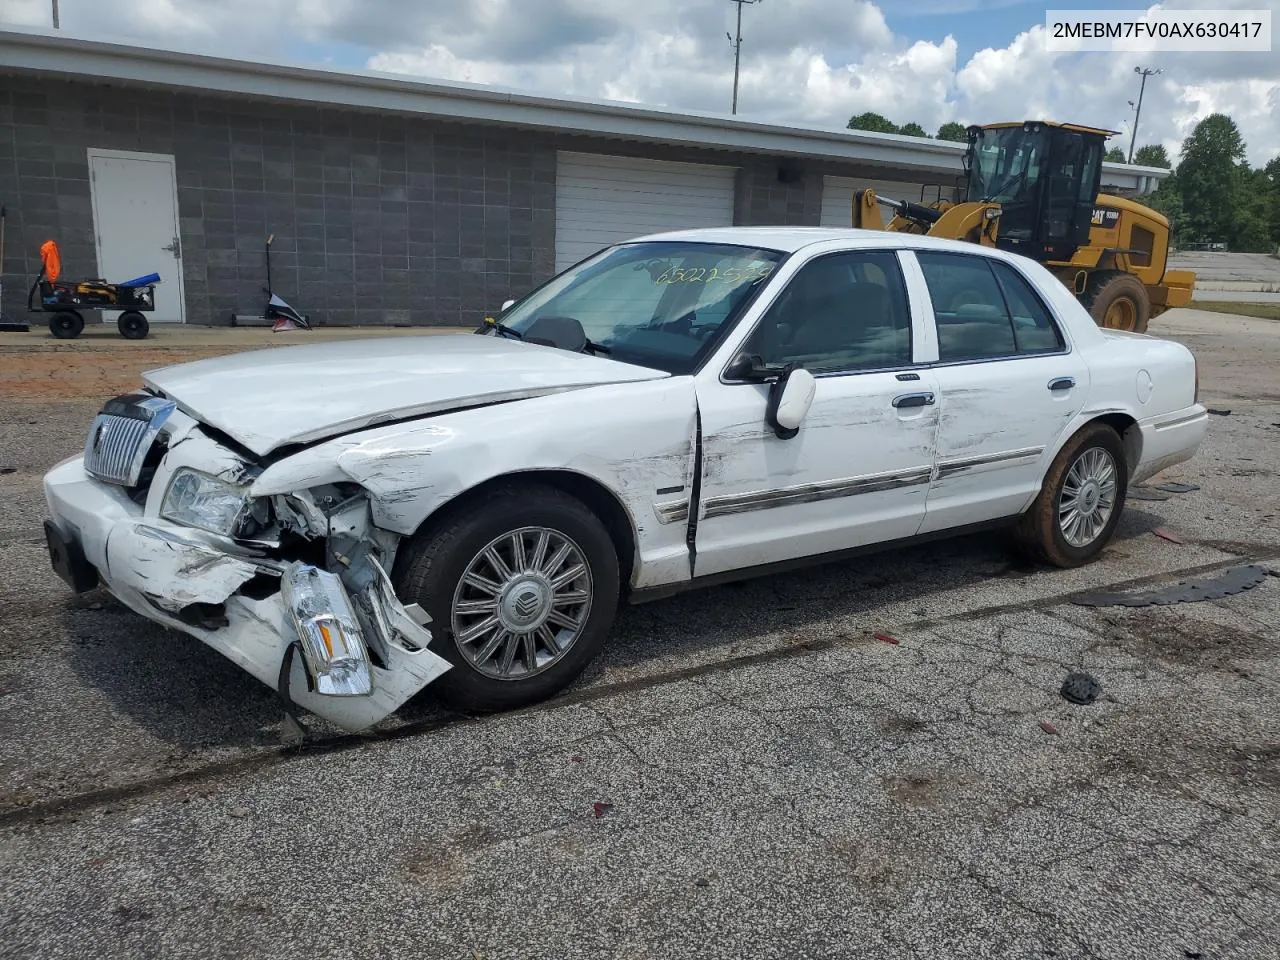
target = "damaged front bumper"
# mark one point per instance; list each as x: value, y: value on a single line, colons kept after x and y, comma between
x: 363, y: 653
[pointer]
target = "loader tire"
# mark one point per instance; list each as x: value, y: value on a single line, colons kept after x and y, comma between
x: 1117, y: 301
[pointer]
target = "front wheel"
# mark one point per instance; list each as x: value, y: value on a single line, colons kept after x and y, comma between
x: 522, y: 587
x: 66, y: 325
x: 1080, y: 501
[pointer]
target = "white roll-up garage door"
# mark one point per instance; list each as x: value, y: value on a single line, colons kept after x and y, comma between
x: 602, y: 200
x: 837, y: 196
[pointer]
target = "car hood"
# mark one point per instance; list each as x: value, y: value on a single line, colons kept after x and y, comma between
x: 266, y: 399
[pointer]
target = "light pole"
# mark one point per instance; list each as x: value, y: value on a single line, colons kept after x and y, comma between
x: 736, y: 43
x: 55, y: 14
x: 1137, y: 110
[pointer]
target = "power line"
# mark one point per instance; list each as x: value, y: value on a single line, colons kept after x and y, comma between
x: 736, y: 43
x: 1137, y: 110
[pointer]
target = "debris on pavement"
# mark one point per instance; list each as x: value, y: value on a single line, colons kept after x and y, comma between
x: 1080, y: 688
x: 1166, y: 534
x: 1048, y: 727
x: 1232, y: 581
x: 601, y: 809
x: 1220, y: 413
x: 1176, y: 486
x: 887, y: 638
x: 1146, y: 493
x: 239, y: 812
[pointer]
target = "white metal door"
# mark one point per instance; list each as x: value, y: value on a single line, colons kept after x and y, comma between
x: 837, y: 196
x: 857, y: 473
x: 135, y: 221
x: 603, y: 200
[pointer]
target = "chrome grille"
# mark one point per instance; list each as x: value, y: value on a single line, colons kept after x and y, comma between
x: 122, y: 435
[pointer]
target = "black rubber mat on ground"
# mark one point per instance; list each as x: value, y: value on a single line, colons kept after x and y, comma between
x: 1232, y: 581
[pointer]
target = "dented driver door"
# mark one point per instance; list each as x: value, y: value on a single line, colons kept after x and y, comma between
x: 859, y: 469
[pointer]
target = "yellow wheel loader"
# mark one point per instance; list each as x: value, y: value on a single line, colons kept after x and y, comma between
x: 1032, y: 188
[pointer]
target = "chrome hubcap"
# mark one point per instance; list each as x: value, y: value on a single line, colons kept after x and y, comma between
x: 522, y: 603
x: 1088, y: 497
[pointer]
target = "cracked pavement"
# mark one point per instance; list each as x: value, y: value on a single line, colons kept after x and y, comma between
x: 747, y: 771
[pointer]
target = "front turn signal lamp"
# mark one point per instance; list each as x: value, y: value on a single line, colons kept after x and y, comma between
x: 332, y: 643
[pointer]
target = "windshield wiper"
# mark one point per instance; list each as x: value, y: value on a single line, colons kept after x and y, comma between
x: 498, y: 327
x: 597, y: 347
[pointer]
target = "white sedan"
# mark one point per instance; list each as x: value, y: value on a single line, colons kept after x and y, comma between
x: 351, y: 522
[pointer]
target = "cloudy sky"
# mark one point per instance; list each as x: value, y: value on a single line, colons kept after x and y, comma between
x: 814, y: 62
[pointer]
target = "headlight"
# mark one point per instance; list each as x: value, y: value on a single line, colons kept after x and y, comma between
x: 199, y: 500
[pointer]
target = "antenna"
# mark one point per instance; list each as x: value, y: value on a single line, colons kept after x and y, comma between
x: 736, y: 43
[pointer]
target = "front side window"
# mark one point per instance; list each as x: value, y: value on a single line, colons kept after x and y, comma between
x: 660, y: 304
x: 840, y: 313
x: 1005, y: 165
x: 984, y: 309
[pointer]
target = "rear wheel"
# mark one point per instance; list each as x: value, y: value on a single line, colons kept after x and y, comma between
x: 133, y: 325
x: 66, y: 325
x: 522, y: 587
x: 1080, y: 501
x: 1117, y: 301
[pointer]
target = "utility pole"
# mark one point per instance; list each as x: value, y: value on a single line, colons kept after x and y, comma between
x: 55, y: 14
x: 736, y: 44
x: 1137, y: 110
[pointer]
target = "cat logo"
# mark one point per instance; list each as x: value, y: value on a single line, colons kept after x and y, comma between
x: 1102, y: 217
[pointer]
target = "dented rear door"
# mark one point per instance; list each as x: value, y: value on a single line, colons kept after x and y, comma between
x: 1009, y: 386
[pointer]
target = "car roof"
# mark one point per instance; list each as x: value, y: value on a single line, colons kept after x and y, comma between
x: 791, y: 239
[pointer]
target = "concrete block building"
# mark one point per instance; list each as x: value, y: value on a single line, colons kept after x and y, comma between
x: 392, y: 200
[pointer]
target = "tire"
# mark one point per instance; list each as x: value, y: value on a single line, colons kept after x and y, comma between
x: 66, y: 325
x: 1041, y: 531
x: 1117, y: 301
x: 430, y: 572
x: 133, y: 325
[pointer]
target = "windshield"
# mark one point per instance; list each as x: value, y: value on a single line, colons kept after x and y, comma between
x: 1005, y: 166
x: 660, y: 304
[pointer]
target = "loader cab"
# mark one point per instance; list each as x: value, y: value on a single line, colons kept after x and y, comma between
x: 1045, y: 177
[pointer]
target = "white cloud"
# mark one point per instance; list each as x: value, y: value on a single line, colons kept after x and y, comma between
x: 814, y: 62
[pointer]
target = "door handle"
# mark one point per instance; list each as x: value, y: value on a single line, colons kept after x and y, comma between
x: 913, y: 400
x: 1062, y: 383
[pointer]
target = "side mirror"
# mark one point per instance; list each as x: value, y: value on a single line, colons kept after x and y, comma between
x: 790, y: 397
x: 749, y: 367
x: 507, y: 306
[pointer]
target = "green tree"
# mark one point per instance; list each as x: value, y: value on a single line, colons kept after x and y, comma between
x: 1211, y: 182
x: 1152, y: 155
x: 952, y: 130
x: 1271, y: 201
x: 1114, y: 155
x: 1167, y: 200
x: 873, y: 122
x: 912, y: 130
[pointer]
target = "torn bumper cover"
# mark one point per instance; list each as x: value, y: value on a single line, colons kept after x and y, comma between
x: 363, y: 652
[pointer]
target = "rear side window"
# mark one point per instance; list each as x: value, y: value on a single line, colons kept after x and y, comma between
x: 973, y: 323
x: 1033, y: 328
x: 984, y: 309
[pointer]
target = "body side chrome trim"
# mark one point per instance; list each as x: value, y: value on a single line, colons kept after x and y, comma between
x: 672, y: 512
x: 813, y: 492
x: 1180, y: 421
x: 947, y: 468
